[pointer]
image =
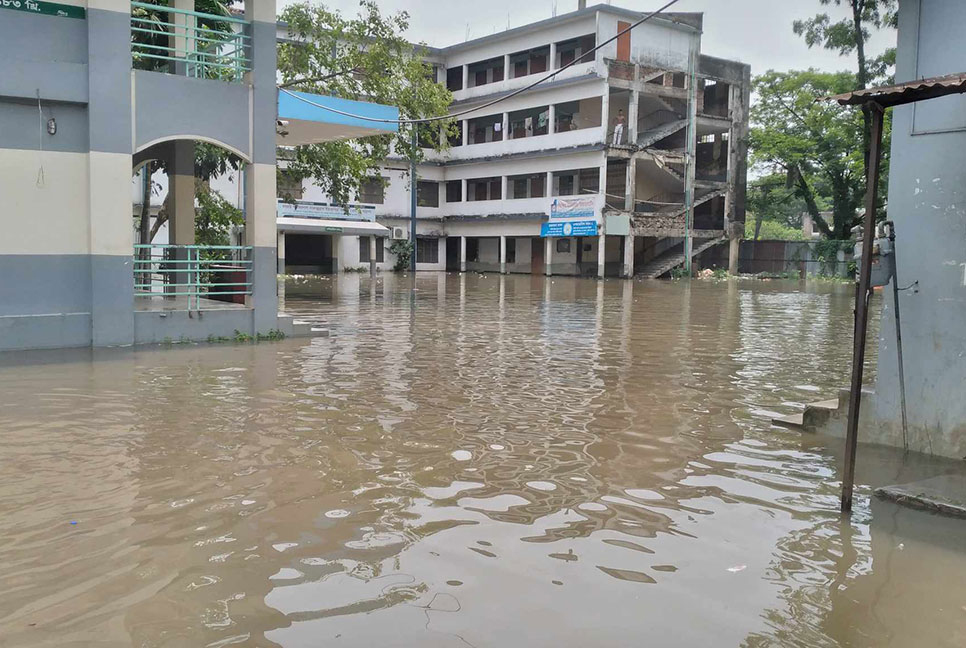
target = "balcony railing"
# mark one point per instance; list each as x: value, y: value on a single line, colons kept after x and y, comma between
x: 198, y: 277
x: 189, y: 43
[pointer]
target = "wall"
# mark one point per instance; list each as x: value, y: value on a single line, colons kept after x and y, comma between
x: 927, y: 200
x: 656, y: 43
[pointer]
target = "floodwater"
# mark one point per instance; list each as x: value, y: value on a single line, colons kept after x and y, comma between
x: 484, y: 461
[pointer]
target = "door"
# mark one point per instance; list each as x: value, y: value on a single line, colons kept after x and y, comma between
x: 623, y: 42
x: 536, y: 256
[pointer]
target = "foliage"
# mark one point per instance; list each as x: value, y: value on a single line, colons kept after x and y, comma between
x: 363, y: 58
x: 816, y: 146
x: 679, y: 272
x: 776, y: 209
x: 214, y: 217
x: 402, y: 250
x: 770, y: 230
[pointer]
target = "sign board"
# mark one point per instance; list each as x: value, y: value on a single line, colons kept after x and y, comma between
x: 582, y: 207
x: 45, y: 8
x: 569, y: 228
x: 326, y: 211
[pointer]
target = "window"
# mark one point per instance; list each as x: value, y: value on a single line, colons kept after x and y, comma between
x: 373, y: 191
x: 529, y: 122
x: 289, y: 186
x: 511, y: 250
x: 527, y: 186
x: 427, y: 250
x: 530, y: 61
x: 454, y: 191
x: 484, y: 189
x: 485, y: 129
x: 563, y: 245
x: 454, y: 78
x: 578, y: 181
x: 455, y: 137
x: 427, y: 193
x: 484, y: 72
x: 472, y: 249
x: 574, y: 115
x: 364, y: 249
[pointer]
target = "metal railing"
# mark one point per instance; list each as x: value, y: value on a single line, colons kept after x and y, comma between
x: 189, y: 43
x: 203, y: 274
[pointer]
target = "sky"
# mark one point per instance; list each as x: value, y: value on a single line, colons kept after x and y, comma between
x: 758, y: 32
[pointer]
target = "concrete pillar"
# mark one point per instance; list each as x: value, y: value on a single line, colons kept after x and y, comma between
x: 605, y: 114
x: 281, y: 253
x: 628, y: 269
x: 502, y: 254
x: 734, y: 246
x: 259, y: 177
x: 463, y: 248
x: 548, y: 256
x: 463, y: 196
x: 503, y: 183
x: 549, y: 191
x: 466, y: 77
x: 109, y: 175
x: 603, y: 175
x: 601, y: 255
x: 630, y: 185
x: 551, y: 120
x: 506, y: 125
x: 372, y: 255
x: 465, y: 138
x: 552, y: 63
x: 181, y: 194
x: 632, y: 115
x: 506, y: 66
x: 178, y: 38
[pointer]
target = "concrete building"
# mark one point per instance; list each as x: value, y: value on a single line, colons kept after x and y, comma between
x: 546, y: 181
x: 92, y: 90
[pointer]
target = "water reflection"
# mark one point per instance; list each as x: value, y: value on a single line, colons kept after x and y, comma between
x: 483, y: 460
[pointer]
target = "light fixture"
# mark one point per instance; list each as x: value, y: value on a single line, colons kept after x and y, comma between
x: 52, y: 126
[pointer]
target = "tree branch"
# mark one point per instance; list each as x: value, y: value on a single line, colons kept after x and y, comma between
x: 809, y: 197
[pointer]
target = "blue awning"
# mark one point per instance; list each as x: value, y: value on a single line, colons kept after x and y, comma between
x: 301, y: 122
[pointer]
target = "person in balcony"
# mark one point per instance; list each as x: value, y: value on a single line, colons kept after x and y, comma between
x: 618, y: 138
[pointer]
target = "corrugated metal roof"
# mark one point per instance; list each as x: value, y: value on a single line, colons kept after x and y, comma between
x: 904, y: 93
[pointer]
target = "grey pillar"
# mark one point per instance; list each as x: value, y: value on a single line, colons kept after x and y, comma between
x: 502, y: 254
x: 463, y: 253
x: 548, y: 256
x: 601, y: 255
x: 372, y: 256
x: 629, y: 256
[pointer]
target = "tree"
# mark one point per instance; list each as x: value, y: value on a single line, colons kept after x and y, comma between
x: 850, y: 35
x: 817, y: 146
x: 775, y: 204
x: 363, y: 58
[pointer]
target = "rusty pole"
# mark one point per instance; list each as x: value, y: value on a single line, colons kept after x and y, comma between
x: 862, y: 304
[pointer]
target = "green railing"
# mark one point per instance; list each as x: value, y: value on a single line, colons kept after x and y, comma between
x: 199, y: 275
x: 189, y: 43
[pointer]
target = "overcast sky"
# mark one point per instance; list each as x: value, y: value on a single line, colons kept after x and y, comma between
x: 758, y: 32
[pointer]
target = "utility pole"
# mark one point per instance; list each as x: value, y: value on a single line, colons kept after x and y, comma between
x: 412, y: 202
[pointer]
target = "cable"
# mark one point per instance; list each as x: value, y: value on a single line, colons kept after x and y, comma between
x: 426, y: 120
x: 41, y: 175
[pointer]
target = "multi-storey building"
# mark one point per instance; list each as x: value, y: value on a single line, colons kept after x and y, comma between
x: 601, y: 171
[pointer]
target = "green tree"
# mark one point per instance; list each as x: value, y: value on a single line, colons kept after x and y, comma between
x: 776, y: 209
x: 817, y: 146
x: 849, y: 36
x: 363, y: 58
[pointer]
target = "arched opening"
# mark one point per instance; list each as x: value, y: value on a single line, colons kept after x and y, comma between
x: 188, y: 220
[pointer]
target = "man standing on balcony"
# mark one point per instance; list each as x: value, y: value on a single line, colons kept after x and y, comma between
x: 618, y: 129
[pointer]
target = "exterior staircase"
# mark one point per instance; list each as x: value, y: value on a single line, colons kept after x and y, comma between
x: 656, y: 134
x: 674, y: 257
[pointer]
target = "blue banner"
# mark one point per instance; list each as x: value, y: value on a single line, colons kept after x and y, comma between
x: 569, y: 228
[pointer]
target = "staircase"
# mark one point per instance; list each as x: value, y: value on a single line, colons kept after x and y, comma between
x: 656, y: 134
x: 674, y: 257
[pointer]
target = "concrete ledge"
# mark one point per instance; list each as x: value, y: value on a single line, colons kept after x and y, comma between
x: 945, y: 495
x: 46, y: 331
x: 151, y: 327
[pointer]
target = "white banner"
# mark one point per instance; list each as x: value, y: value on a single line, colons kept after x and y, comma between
x: 306, y: 209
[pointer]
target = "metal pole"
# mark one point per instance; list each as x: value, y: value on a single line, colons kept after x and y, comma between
x: 895, y: 297
x: 689, y: 161
x: 412, y: 202
x: 862, y: 305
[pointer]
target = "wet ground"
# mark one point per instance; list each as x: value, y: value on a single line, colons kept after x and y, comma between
x: 485, y: 461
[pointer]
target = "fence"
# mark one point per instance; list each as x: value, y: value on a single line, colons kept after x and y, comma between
x: 189, y: 43
x: 203, y: 274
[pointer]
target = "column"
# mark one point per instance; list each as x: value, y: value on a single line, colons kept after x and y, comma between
x: 632, y: 114
x: 734, y: 247
x: 465, y: 135
x: 109, y: 177
x: 259, y: 178
x: 506, y: 126
x: 605, y: 113
x: 372, y: 255
x: 548, y: 256
x: 549, y: 190
x: 502, y: 254
x: 181, y: 193
x: 630, y: 185
x: 463, y: 248
x: 628, y: 269
x: 178, y: 38
x: 506, y: 66
x: 601, y: 255
x: 281, y: 252
x: 466, y: 76
x: 552, y: 63
x: 603, y: 176
x: 503, y: 183
x: 463, y: 196
x: 551, y: 119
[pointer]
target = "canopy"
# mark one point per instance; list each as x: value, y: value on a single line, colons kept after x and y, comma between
x: 333, y: 226
x: 302, y: 120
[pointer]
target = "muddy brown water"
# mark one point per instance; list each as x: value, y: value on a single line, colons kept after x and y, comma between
x: 484, y: 461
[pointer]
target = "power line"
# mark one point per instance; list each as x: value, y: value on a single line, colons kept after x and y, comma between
x: 427, y: 120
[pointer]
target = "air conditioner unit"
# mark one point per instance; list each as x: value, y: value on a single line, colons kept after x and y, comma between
x: 400, y: 233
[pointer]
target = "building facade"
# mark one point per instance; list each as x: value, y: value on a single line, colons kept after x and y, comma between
x: 600, y: 171
x: 91, y: 91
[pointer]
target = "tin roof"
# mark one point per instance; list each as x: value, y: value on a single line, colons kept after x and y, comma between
x: 904, y: 93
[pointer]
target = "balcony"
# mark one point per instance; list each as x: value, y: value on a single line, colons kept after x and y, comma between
x: 189, y: 43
